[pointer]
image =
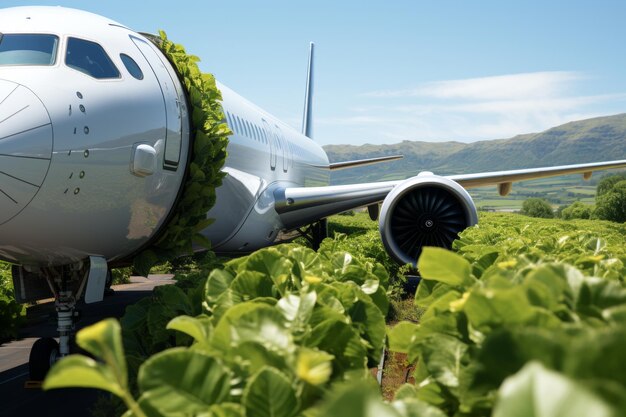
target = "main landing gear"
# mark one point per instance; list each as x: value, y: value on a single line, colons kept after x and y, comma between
x: 67, y: 283
x: 315, y: 233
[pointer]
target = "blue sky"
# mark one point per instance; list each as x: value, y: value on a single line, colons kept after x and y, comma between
x: 395, y: 70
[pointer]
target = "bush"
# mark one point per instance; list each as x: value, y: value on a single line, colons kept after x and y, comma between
x: 577, y: 210
x: 611, y: 202
x: 11, y: 312
x: 537, y: 207
x: 607, y: 183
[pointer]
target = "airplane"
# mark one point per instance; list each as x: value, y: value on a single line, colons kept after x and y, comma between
x: 94, y: 148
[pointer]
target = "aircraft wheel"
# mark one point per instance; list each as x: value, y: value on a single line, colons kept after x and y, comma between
x: 43, y: 355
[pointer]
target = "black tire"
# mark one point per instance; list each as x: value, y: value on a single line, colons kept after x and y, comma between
x: 43, y: 355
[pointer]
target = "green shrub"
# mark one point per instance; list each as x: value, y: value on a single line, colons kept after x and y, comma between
x: 537, y: 207
x: 577, y: 210
x: 611, y: 204
x: 12, y: 314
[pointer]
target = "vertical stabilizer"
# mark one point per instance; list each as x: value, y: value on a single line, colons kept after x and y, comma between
x: 307, y: 116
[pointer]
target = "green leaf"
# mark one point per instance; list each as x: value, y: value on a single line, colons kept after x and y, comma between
x: 298, y: 310
x: 340, y: 340
x: 84, y: 372
x: 104, y: 341
x: 218, y: 282
x: 271, y: 263
x: 538, y: 392
x: 357, y: 400
x: 270, y: 394
x: 183, y: 382
x: 441, y: 265
x: 199, y: 329
x: 445, y: 357
x: 314, y: 366
x: 255, y: 322
x: 251, y: 284
x: 402, y: 336
x: 224, y: 410
x: 413, y: 407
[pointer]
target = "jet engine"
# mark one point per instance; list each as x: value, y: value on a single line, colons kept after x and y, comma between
x: 426, y: 210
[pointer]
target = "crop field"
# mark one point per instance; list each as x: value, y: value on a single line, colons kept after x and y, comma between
x: 523, y: 315
x: 558, y: 191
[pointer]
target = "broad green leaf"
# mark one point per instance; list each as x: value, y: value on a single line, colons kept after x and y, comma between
x: 538, y: 392
x: 251, y: 284
x: 314, y: 366
x: 488, y: 308
x: 252, y: 356
x: 445, y: 357
x: 182, y: 381
x: 357, y: 400
x: 402, y: 336
x: 199, y: 329
x: 297, y: 310
x: 255, y: 322
x: 406, y: 391
x: 84, y: 372
x: 370, y: 322
x: 441, y: 265
x: 104, y: 341
x: 269, y: 393
x: 218, y: 282
x: 413, y: 407
x: 505, y: 351
x: 271, y: 263
x: 429, y: 291
x: 224, y: 410
x: 340, y: 340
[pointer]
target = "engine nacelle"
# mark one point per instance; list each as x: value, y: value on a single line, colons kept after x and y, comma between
x: 426, y: 210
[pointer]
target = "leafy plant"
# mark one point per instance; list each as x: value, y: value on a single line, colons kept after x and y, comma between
x: 209, y: 138
x: 276, y: 329
x: 537, y: 207
x: 577, y: 210
x: 12, y: 314
x: 611, y: 204
x: 485, y: 320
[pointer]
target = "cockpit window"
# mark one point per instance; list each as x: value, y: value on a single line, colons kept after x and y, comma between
x: 90, y: 58
x: 28, y: 49
x: 132, y: 66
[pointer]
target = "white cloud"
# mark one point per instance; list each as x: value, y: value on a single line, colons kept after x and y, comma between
x: 526, y: 85
x: 472, y: 109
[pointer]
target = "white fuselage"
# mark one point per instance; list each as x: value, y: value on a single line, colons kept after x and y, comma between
x: 71, y: 182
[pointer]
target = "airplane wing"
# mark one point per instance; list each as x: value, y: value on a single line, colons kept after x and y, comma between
x: 298, y: 206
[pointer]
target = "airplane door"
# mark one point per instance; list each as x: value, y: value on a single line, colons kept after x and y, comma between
x: 174, y: 131
x: 284, y: 148
x: 272, y: 141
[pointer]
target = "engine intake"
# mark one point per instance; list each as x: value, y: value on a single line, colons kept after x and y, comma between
x: 426, y: 210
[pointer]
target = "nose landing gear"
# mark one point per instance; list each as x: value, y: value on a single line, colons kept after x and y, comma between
x: 67, y: 283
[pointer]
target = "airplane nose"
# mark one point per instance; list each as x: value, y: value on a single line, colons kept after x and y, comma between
x: 25, y: 147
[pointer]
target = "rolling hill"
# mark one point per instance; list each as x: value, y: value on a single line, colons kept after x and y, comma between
x: 597, y: 139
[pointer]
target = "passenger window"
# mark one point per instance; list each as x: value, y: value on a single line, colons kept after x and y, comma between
x: 132, y: 66
x: 26, y: 49
x: 89, y: 58
x: 231, y: 125
x: 239, y: 124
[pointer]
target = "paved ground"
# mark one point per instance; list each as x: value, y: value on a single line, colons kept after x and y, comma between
x: 18, y: 401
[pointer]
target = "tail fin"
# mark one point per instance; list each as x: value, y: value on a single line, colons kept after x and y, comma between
x: 307, y: 116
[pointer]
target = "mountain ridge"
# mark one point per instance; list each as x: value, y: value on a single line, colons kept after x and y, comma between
x: 590, y: 140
